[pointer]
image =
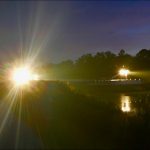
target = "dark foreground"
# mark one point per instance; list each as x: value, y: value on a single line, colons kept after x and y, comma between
x: 54, y: 115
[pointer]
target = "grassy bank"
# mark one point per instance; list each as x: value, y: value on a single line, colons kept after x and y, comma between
x: 64, y: 118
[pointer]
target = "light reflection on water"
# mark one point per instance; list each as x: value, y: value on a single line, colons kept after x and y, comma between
x: 126, y: 103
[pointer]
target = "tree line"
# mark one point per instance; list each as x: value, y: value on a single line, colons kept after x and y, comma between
x: 102, y: 65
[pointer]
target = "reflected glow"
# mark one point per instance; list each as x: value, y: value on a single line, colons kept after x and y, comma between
x: 125, y: 103
x: 123, y: 72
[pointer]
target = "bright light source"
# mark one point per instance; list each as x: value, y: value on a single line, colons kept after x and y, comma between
x: 21, y: 76
x: 123, y: 72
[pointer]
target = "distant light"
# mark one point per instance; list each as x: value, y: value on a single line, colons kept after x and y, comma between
x: 123, y: 72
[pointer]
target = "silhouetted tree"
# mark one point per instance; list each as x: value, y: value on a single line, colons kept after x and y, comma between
x: 143, y: 59
x: 98, y: 66
x: 122, y: 52
x: 123, y: 59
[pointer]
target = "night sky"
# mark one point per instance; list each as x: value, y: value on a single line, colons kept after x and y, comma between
x: 60, y: 30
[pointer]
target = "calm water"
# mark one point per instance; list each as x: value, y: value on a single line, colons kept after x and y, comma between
x: 129, y: 103
x: 129, y: 100
x: 121, y: 119
x: 127, y: 119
